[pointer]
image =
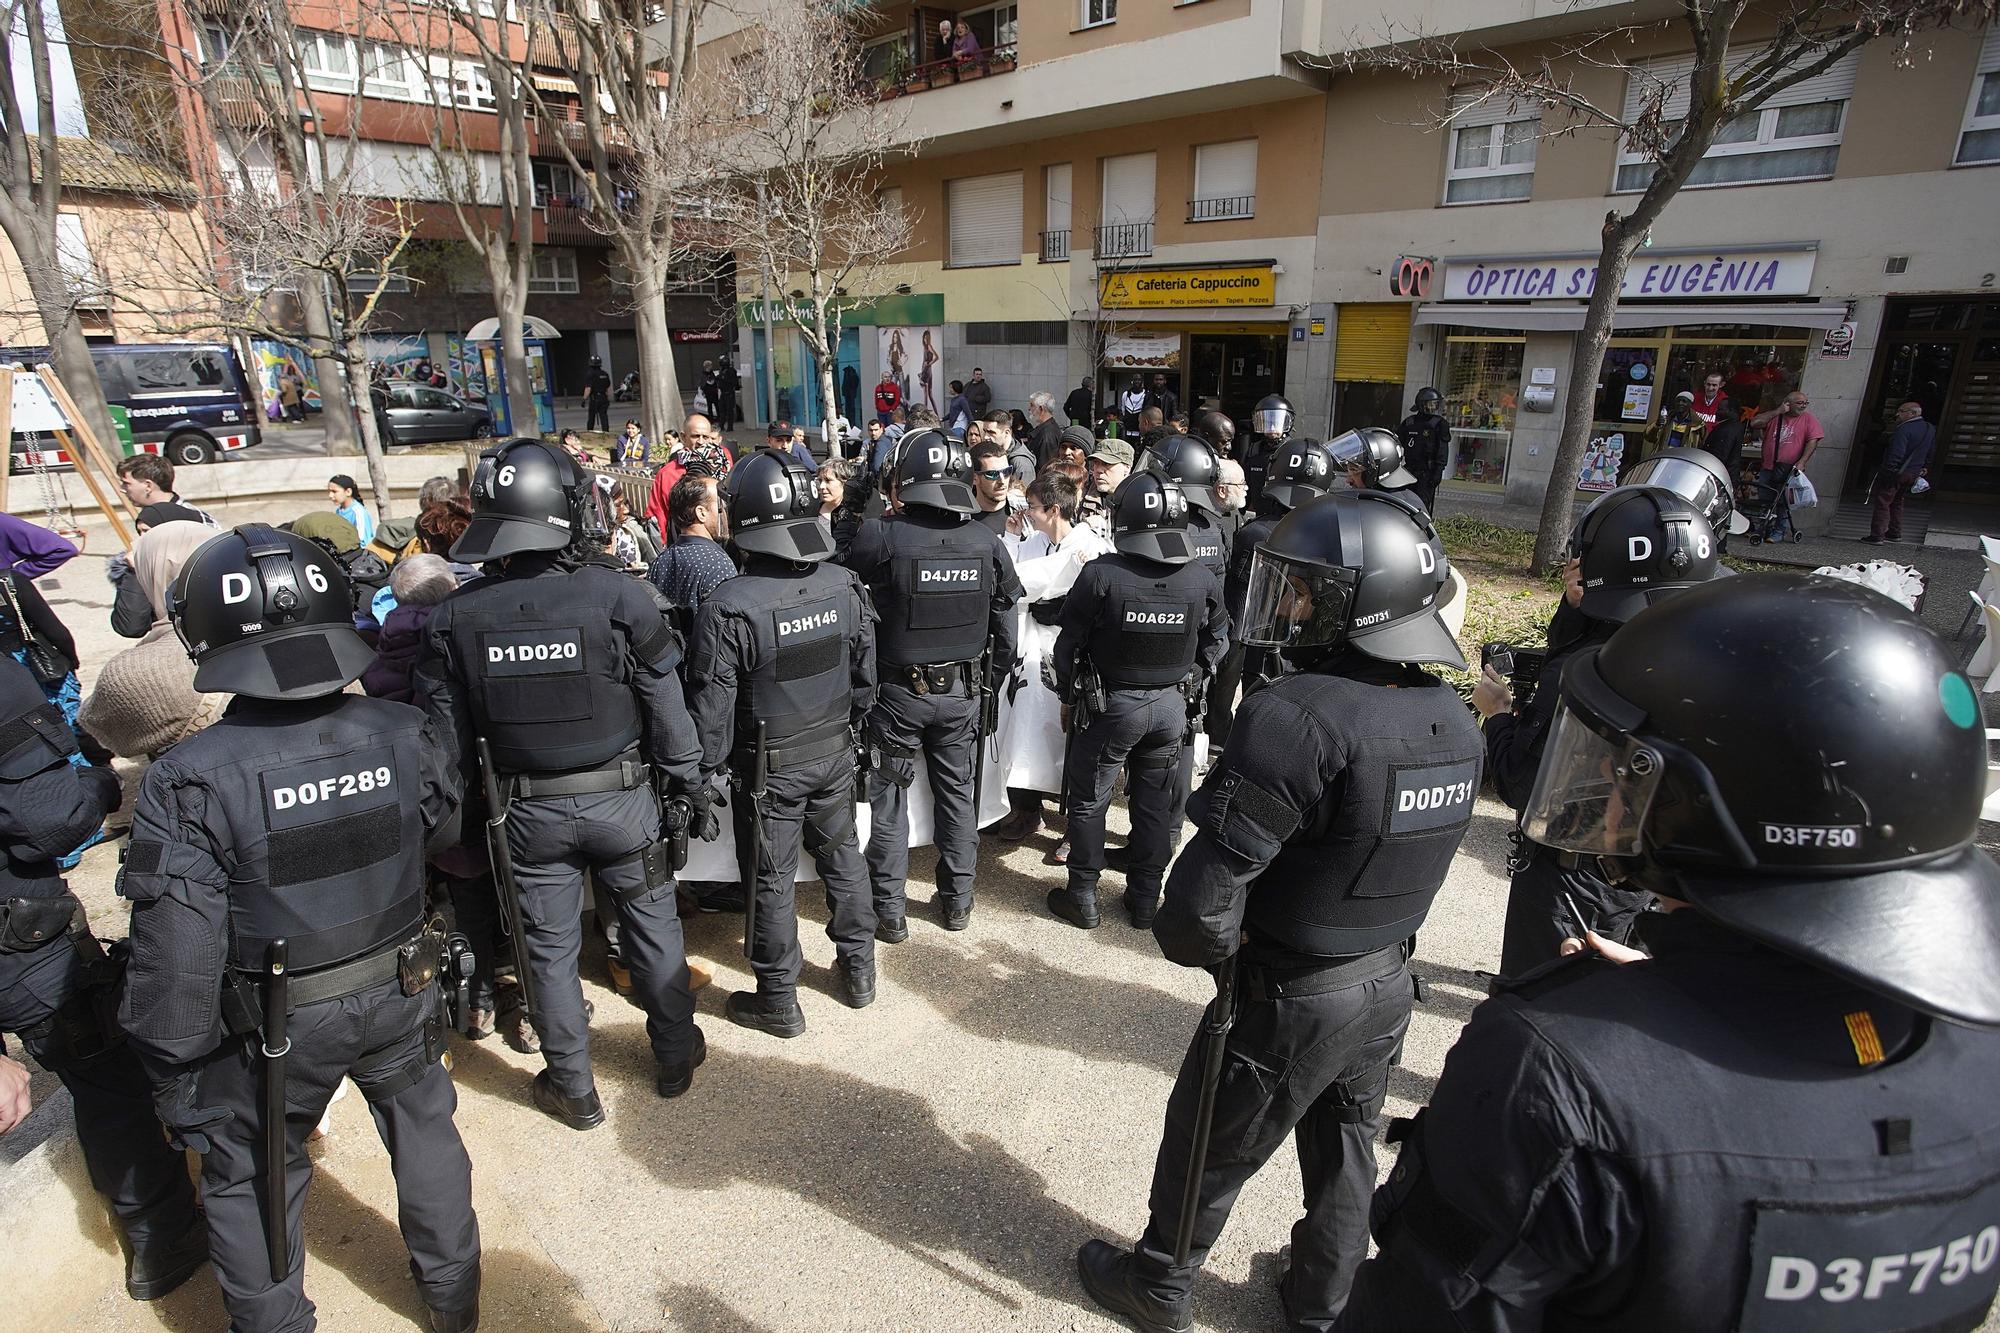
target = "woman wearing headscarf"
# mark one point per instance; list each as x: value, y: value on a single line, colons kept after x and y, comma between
x: 144, y: 700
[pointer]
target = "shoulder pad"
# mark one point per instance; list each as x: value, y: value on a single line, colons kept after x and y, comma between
x: 37, y: 739
x: 1552, y: 976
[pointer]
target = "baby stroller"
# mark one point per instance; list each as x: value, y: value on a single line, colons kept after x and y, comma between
x: 1768, y: 509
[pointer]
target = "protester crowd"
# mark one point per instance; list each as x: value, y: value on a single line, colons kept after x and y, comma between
x: 989, y: 619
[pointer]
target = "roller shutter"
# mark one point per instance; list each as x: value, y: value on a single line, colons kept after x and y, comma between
x: 1372, y: 342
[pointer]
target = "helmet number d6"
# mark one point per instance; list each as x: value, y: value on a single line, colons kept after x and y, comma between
x: 505, y: 477
x: 315, y: 578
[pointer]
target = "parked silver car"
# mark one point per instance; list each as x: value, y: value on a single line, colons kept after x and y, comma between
x: 419, y: 414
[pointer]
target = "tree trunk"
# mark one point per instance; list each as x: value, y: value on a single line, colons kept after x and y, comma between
x: 335, y: 402
x: 1580, y: 405
x: 371, y: 445
x: 510, y: 302
x: 824, y: 354
x: 659, y: 390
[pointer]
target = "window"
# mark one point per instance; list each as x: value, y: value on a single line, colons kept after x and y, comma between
x: 1056, y: 192
x: 1225, y: 181
x: 1481, y: 385
x: 1099, y: 11
x: 556, y: 183
x: 985, y: 220
x: 328, y: 62
x: 996, y: 25
x: 369, y: 280
x: 889, y: 202
x: 886, y: 57
x: 693, y: 276
x: 1979, y: 141
x: 215, y: 44
x: 1493, y: 144
x: 1125, y: 215
x: 174, y: 372
x: 553, y: 273
x: 391, y: 73
x: 461, y: 83
x: 1794, y: 136
x: 81, y: 280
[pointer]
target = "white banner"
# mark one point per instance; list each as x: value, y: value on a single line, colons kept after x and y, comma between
x: 1143, y: 351
x: 1724, y: 275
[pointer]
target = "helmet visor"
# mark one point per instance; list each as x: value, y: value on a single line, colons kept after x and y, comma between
x: 1687, y: 479
x: 1292, y: 604
x: 1593, y: 791
x: 1275, y: 421
x: 1348, y: 450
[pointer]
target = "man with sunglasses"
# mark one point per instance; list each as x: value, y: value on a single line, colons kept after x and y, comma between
x: 1784, y: 1118
x: 992, y: 480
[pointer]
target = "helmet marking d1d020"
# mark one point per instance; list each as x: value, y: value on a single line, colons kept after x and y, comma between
x: 1363, y: 569
x: 773, y: 511
x: 267, y: 614
x: 1800, y: 759
x: 1149, y: 519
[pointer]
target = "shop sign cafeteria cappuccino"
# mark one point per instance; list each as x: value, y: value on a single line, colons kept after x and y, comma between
x: 1679, y: 275
x: 1188, y: 288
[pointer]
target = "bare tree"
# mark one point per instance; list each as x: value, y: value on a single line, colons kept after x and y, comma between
x: 30, y: 194
x: 810, y: 211
x: 633, y: 154
x: 1731, y: 78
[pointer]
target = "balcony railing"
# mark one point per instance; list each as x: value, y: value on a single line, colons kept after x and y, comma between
x: 1055, y: 246
x: 944, y: 73
x: 567, y: 221
x: 550, y: 133
x: 1215, y: 210
x: 1124, y: 240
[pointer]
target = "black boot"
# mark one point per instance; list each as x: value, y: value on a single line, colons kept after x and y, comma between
x: 454, y: 1321
x: 585, y: 1112
x: 164, y: 1265
x: 1079, y: 909
x: 1142, y: 907
x: 892, y: 929
x: 955, y: 918
x: 1106, y: 1271
x: 673, y: 1080
x: 751, y: 1010
x: 857, y: 984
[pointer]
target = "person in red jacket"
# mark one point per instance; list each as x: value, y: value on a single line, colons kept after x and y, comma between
x: 700, y: 448
x: 887, y: 399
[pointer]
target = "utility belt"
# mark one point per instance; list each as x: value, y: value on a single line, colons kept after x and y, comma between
x: 623, y: 773
x: 811, y: 747
x: 418, y: 962
x: 942, y: 678
x: 28, y: 924
x: 1282, y: 983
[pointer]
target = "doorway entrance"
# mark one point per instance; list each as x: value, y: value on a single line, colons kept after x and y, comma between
x: 1234, y: 369
x: 1945, y: 354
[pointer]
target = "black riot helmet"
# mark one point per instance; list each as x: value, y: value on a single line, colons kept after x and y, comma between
x: 1298, y: 471
x: 1358, y: 568
x: 1189, y: 462
x: 1801, y: 760
x: 1637, y: 545
x: 772, y: 509
x: 1272, y: 417
x: 934, y: 469
x: 1377, y: 453
x: 1428, y: 400
x: 1698, y: 477
x: 1149, y: 517
x: 526, y: 496
x: 268, y: 614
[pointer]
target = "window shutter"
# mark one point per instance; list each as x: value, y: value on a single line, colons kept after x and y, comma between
x: 1372, y: 341
x: 1469, y: 107
x: 1834, y: 84
x: 1056, y: 216
x: 1128, y: 189
x: 985, y: 220
x: 1989, y: 53
x: 1225, y: 170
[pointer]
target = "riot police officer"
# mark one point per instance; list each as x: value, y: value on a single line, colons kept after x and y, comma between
x: 1784, y: 1120
x: 1271, y: 424
x: 1700, y: 478
x: 945, y: 590
x: 58, y: 990
x: 1373, y: 460
x: 279, y: 935
x: 1299, y: 470
x: 564, y: 670
x: 1191, y: 464
x: 1323, y: 835
x: 781, y: 672
x: 1146, y: 626
x: 1426, y: 438
x: 1634, y: 546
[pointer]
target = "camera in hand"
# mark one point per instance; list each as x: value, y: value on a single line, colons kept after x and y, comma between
x: 1521, y: 666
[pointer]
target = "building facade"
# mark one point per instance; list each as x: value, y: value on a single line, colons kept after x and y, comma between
x: 1216, y: 192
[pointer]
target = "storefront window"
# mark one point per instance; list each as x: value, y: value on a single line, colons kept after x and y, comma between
x: 1482, y: 388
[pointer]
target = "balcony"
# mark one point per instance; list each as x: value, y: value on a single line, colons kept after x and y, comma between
x: 551, y: 134
x: 245, y: 99
x: 566, y: 220
x: 1055, y: 246
x: 945, y: 73
x: 1218, y: 210
x: 1124, y: 240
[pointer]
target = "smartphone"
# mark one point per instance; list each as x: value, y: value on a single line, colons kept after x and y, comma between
x: 1499, y: 656
x: 1017, y: 502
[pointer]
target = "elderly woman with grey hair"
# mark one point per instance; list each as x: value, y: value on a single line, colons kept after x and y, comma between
x: 419, y: 583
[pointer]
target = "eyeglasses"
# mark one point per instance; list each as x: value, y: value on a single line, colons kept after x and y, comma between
x: 996, y: 474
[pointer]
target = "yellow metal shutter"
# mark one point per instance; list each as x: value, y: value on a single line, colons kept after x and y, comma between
x: 1372, y: 342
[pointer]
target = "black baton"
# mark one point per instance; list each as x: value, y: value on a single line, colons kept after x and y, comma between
x: 1215, y: 1027
x: 755, y: 796
x: 277, y: 1202
x: 504, y: 886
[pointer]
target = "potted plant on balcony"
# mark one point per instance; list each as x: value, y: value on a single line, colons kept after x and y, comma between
x: 942, y: 74
x: 1000, y: 60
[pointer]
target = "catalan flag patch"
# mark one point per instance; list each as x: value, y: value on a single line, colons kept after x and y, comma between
x: 1867, y: 1042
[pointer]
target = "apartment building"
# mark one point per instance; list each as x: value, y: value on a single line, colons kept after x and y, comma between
x: 1210, y: 191
x: 392, y: 87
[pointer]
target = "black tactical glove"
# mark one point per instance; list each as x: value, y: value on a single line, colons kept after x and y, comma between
x: 700, y: 802
x: 105, y: 786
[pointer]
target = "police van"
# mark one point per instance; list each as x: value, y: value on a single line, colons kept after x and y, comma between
x: 189, y: 401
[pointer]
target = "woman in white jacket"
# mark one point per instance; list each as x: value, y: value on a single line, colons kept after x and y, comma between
x: 1047, y: 562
